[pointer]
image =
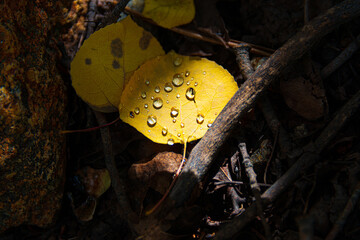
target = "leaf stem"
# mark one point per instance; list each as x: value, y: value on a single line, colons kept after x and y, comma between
x: 171, y: 185
x: 89, y: 129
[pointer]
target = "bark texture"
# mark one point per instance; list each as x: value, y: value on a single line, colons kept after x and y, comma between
x: 32, y: 113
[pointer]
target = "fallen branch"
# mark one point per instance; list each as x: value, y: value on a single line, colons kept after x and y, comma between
x: 205, y: 152
x: 341, y: 58
x: 116, y: 182
x: 259, y: 50
x: 255, y: 188
x: 246, y: 69
x: 309, y: 158
x: 114, y: 15
x: 349, y: 208
x: 91, y: 18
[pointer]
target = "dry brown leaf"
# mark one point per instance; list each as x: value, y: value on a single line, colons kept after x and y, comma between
x: 155, y: 174
x: 96, y: 181
x: 302, y: 96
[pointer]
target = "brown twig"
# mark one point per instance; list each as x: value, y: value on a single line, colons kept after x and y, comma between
x: 232, y: 192
x: 341, y: 58
x: 259, y: 50
x: 91, y: 18
x: 116, y: 182
x: 272, y: 154
x: 238, y: 183
x: 246, y: 69
x: 349, y: 208
x: 255, y: 188
x: 306, y: 11
x: 308, y: 159
x: 205, y: 152
x: 115, y: 14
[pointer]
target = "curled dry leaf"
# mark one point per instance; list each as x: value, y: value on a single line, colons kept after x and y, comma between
x: 157, y: 172
x: 174, y: 98
x: 103, y: 64
x: 304, y: 97
x: 85, y: 212
x: 96, y: 181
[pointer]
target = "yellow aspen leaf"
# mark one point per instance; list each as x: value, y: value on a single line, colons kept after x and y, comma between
x: 170, y: 13
x: 107, y: 59
x: 174, y: 98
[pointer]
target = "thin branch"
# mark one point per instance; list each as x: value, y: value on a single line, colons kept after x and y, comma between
x: 116, y: 182
x: 246, y: 69
x: 306, y: 11
x: 255, y: 188
x: 305, y: 161
x: 91, y: 18
x: 115, y: 14
x: 238, y: 183
x: 341, y: 58
x: 255, y: 49
x: 349, y: 208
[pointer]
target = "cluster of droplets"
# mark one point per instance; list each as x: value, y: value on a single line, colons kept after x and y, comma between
x: 177, y: 81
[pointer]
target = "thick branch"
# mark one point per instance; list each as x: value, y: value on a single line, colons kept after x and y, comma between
x: 203, y: 155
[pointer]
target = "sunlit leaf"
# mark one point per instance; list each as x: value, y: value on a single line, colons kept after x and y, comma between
x: 175, y: 99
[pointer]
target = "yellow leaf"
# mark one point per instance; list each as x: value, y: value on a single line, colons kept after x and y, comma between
x: 170, y: 13
x: 109, y: 57
x: 174, y: 98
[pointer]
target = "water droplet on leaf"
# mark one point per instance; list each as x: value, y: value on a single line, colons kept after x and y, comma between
x: 195, y: 84
x: 132, y: 114
x: 190, y: 94
x: 143, y: 95
x: 178, y: 96
x: 145, y: 106
x: 174, y: 112
x: 177, y: 80
x: 170, y: 142
x: 182, y: 125
x: 168, y: 87
x: 179, y: 135
x: 177, y: 61
x: 200, y: 118
x: 187, y: 73
x: 157, y: 89
x: 151, y: 121
x: 147, y: 82
x: 158, y: 103
x: 174, y: 120
x: 164, y: 131
x: 137, y: 110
